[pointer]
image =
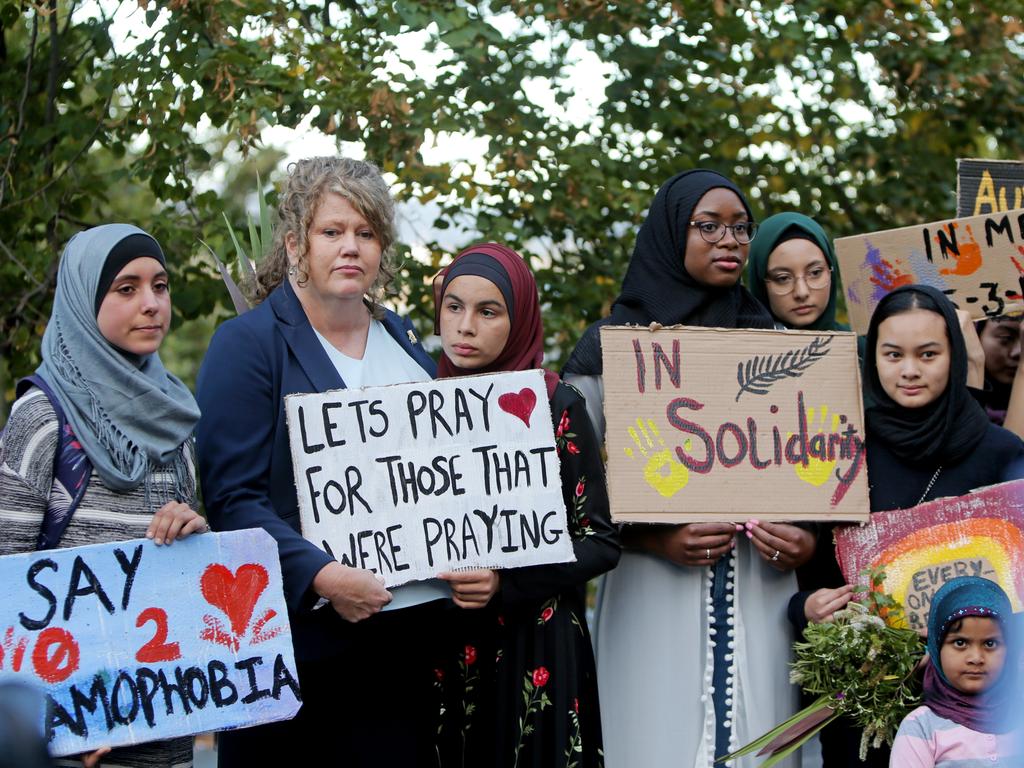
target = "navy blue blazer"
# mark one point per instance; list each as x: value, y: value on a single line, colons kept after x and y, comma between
x: 245, y: 463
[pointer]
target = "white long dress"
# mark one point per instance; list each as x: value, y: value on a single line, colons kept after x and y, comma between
x: 655, y: 655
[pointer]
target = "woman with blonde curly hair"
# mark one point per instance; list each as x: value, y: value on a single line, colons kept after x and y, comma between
x: 319, y: 325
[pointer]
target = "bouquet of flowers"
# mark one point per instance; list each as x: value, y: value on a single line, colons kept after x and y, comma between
x: 861, y: 664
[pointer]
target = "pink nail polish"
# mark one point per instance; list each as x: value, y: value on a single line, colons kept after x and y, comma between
x: 750, y: 535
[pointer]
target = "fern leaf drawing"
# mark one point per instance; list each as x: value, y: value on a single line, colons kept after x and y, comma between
x: 761, y: 371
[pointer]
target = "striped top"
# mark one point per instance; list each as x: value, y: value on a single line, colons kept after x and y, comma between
x: 926, y: 740
x: 27, y: 450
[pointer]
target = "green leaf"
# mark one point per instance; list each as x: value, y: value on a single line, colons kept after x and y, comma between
x: 243, y: 258
x: 821, y: 703
x: 255, y: 246
x: 265, y: 226
x: 783, y: 754
x: 237, y: 297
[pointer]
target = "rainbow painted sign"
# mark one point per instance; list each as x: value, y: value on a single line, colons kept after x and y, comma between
x: 978, y: 262
x: 132, y: 642
x: 980, y: 534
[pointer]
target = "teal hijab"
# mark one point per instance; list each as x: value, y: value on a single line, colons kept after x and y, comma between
x: 769, y: 232
x: 130, y: 415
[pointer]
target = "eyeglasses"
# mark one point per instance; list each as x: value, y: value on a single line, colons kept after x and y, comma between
x: 815, y: 278
x: 713, y: 231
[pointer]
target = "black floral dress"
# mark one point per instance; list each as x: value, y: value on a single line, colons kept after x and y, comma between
x: 519, y: 685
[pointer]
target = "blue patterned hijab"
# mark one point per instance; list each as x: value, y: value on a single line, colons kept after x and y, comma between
x: 986, y: 712
x: 130, y: 415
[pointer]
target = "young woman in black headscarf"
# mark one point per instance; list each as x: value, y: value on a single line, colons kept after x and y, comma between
x: 927, y: 437
x: 691, y: 633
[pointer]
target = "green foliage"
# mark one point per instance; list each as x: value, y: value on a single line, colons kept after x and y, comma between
x: 261, y: 240
x: 852, y: 112
x: 863, y: 664
x: 859, y: 666
x: 786, y: 738
x: 877, y: 601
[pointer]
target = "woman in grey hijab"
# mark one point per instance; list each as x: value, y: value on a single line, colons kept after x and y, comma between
x: 121, y: 467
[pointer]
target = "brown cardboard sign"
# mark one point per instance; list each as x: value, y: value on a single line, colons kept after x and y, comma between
x: 978, y: 262
x: 713, y: 424
x: 988, y: 186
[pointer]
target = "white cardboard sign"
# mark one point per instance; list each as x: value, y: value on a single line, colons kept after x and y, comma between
x: 411, y: 480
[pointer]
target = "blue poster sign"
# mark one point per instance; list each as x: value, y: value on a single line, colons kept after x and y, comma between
x: 132, y: 642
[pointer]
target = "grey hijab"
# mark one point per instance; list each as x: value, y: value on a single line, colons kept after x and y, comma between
x: 130, y: 415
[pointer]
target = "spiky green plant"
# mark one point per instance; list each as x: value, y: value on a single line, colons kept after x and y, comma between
x: 261, y: 239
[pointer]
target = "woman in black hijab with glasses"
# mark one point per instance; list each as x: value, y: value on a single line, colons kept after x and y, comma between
x: 691, y: 635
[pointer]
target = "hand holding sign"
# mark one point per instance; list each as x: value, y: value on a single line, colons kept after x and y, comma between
x: 473, y: 588
x: 695, y: 544
x: 174, y: 520
x: 354, y: 593
x: 782, y: 545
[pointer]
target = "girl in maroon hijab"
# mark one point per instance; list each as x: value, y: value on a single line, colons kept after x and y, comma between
x: 521, y: 688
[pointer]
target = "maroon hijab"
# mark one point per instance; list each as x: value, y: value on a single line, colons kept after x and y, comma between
x: 505, y: 268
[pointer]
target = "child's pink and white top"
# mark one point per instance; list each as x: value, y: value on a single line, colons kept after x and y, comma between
x: 926, y: 740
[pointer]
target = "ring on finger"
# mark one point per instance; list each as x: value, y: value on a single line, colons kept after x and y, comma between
x: 775, y: 557
x: 708, y: 555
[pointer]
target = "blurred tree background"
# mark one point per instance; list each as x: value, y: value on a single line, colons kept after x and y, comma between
x: 853, y: 112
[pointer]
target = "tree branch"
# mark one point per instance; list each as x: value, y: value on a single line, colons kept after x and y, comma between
x: 81, y: 150
x: 67, y: 22
x: 16, y: 135
x: 51, y: 82
x: 41, y: 286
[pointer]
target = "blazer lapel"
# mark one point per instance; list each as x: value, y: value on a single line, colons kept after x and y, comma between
x: 302, y: 340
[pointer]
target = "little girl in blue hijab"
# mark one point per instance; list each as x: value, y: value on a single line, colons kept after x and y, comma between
x: 970, y: 689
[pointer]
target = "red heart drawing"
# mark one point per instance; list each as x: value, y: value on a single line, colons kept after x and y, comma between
x: 234, y: 593
x: 519, y: 405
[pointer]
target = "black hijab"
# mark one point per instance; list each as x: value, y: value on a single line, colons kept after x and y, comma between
x: 657, y: 287
x: 946, y: 430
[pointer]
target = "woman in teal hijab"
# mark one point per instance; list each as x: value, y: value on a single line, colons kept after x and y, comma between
x: 793, y: 272
x: 99, y: 447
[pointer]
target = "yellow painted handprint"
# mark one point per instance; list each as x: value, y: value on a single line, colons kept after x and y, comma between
x: 662, y: 472
x: 818, y: 471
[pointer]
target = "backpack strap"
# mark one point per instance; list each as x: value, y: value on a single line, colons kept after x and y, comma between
x: 71, y: 471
